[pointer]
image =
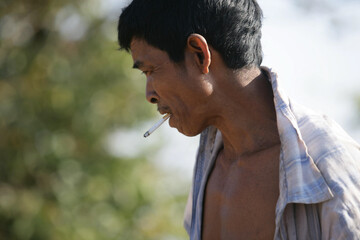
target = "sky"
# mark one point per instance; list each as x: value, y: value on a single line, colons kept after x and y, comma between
x: 315, y: 54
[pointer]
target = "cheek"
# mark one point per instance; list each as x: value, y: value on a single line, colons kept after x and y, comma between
x: 180, y: 91
x: 199, y: 85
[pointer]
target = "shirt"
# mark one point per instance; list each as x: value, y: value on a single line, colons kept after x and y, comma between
x: 319, y: 175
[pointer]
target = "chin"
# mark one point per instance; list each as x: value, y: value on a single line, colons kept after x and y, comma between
x: 188, y: 132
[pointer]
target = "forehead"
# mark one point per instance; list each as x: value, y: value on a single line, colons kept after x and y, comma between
x: 141, y: 51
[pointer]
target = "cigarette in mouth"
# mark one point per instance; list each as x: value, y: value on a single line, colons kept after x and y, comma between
x: 158, y: 124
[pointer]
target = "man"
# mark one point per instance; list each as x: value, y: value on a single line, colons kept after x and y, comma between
x: 266, y: 168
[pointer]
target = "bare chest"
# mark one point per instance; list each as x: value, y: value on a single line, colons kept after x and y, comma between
x: 240, y: 199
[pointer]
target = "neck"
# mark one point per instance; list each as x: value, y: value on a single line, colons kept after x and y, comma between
x: 247, y: 117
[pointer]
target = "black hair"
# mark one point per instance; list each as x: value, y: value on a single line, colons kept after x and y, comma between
x: 231, y: 27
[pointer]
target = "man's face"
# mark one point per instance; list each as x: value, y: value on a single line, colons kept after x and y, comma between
x: 181, y: 90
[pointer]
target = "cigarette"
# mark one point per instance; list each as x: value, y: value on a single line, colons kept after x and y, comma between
x: 158, y: 124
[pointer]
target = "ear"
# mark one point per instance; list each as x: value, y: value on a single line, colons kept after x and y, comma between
x: 197, y: 44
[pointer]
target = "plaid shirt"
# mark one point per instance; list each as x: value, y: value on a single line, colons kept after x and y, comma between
x: 319, y: 175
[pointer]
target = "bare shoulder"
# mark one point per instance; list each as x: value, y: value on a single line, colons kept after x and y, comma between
x: 241, y: 196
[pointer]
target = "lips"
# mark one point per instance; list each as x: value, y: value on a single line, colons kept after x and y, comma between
x: 164, y: 109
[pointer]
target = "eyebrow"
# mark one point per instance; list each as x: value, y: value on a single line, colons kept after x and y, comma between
x: 138, y: 64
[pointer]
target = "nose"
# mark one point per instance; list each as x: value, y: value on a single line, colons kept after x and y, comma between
x: 151, y: 95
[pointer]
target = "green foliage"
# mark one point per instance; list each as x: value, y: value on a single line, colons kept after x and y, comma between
x: 64, y: 88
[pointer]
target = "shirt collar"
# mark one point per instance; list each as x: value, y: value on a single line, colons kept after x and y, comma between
x: 300, y: 179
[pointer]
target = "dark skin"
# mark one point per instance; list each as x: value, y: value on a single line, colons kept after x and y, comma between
x: 243, y: 187
x: 241, y: 196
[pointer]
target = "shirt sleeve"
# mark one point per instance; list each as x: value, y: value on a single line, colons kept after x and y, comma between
x: 340, y: 216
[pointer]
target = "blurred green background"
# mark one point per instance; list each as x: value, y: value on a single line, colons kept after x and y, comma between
x: 66, y: 96
x: 64, y: 88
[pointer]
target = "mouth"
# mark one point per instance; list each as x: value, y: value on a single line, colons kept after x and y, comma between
x: 164, y: 110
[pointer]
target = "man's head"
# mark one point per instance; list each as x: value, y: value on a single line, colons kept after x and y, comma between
x: 231, y: 27
x: 188, y: 50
